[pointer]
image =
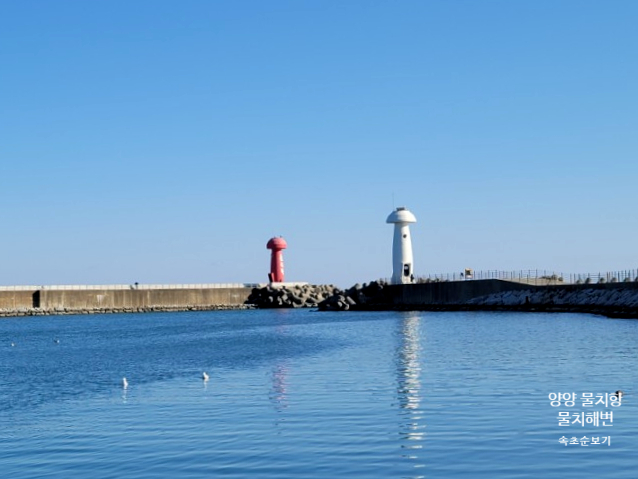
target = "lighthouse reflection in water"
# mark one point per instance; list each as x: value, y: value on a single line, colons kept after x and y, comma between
x: 409, y: 385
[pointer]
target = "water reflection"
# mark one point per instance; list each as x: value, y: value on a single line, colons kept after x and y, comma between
x: 409, y: 388
x: 279, y: 376
x: 279, y: 391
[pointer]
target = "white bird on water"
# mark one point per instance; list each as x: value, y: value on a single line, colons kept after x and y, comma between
x: 124, y: 383
x: 205, y: 376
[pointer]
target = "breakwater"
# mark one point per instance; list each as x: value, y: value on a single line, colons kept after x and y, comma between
x: 290, y: 296
x: 610, y: 299
x: 375, y: 295
x: 33, y: 300
x: 619, y: 300
x: 325, y: 297
x: 379, y: 295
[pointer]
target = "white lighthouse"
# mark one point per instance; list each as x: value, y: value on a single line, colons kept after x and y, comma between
x: 402, y: 261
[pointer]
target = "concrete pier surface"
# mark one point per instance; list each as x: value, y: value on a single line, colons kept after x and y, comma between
x: 78, y: 299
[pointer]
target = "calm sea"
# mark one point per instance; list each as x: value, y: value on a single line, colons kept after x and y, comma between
x: 302, y: 394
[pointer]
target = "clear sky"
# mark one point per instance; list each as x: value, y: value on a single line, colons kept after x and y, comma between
x: 167, y: 141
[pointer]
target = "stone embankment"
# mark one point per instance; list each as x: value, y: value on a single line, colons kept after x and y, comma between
x: 366, y: 296
x: 618, y: 300
x: 293, y: 296
x: 323, y: 297
x: 5, y: 313
x: 613, y: 302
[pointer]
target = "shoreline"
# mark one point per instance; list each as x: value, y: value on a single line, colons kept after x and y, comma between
x: 607, y: 311
x: 613, y: 312
x: 146, y: 309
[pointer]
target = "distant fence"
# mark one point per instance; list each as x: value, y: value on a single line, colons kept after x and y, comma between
x: 535, y: 276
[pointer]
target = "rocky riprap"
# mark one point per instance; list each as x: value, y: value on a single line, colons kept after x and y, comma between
x: 294, y: 296
x: 358, y: 297
x: 562, y: 297
x: 7, y: 313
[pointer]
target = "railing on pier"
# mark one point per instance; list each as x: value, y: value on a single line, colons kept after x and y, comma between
x: 535, y: 276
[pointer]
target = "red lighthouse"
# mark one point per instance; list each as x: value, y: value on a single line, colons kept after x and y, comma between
x: 277, y: 245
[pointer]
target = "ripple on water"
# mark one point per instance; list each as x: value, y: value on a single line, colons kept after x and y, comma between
x: 302, y: 394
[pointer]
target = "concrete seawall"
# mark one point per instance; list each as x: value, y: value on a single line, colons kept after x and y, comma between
x: 610, y: 299
x: 453, y: 292
x: 19, y: 299
x: 70, y: 299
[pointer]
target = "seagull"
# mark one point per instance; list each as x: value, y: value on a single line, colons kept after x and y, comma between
x: 56, y: 341
x: 205, y: 376
x: 13, y: 345
x: 124, y: 383
x: 619, y: 394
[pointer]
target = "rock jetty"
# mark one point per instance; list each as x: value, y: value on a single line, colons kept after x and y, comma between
x: 365, y: 296
x: 618, y: 300
x: 293, y: 296
x: 323, y: 297
x: 614, y: 302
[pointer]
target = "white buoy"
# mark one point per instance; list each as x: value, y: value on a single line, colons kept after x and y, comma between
x: 205, y: 376
x: 402, y: 261
x: 124, y: 383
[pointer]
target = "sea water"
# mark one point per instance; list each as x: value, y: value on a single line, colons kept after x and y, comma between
x: 304, y: 394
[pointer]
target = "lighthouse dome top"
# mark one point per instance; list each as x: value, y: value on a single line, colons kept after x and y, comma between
x: 401, y: 215
x: 276, y: 243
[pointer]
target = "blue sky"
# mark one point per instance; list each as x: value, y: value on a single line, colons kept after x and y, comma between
x: 166, y: 142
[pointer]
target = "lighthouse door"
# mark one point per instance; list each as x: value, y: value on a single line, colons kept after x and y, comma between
x: 406, y: 269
